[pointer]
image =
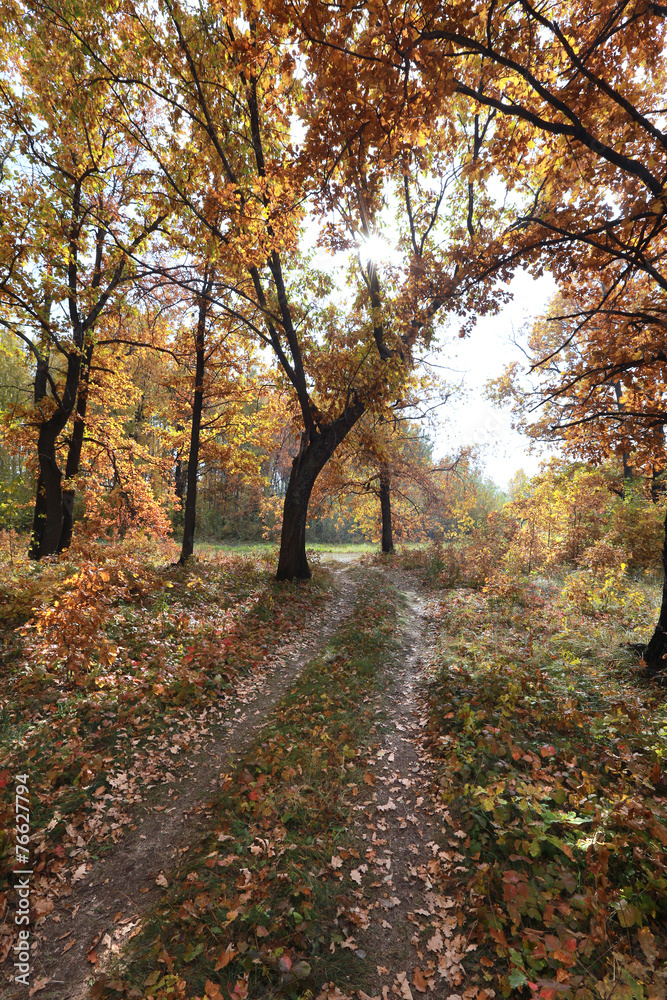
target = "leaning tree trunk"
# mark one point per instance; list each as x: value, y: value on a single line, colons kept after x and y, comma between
x: 655, y: 654
x: 314, y: 453
x: 190, y: 513
x: 74, y: 453
x: 385, y: 508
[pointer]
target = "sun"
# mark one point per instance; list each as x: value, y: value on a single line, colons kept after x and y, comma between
x: 373, y: 249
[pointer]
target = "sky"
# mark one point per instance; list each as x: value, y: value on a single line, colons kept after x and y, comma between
x: 470, y: 419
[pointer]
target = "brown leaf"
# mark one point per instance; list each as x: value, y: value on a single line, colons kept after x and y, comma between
x: 419, y: 982
x: 435, y: 943
x: 39, y: 985
x: 647, y: 943
x: 402, y: 987
x: 41, y: 907
x: 225, y: 957
x: 92, y: 957
x: 240, y: 991
x: 68, y: 946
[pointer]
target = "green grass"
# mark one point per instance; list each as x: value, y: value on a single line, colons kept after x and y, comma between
x: 266, y: 549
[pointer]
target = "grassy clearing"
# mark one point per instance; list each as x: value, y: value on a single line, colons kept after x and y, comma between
x: 553, y: 749
x: 269, y: 550
x: 254, y: 910
x: 94, y: 741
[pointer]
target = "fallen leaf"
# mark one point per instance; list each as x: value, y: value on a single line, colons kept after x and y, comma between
x: 355, y: 875
x: 39, y: 985
x: 648, y: 945
x: 68, y: 946
x: 161, y: 880
x: 240, y: 990
x: 435, y: 943
x: 390, y: 804
x: 79, y: 872
x: 212, y: 990
x: 419, y: 982
x: 92, y: 957
x: 403, y: 986
x: 336, y: 862
x: 225, y: 957
x: 41, y: 907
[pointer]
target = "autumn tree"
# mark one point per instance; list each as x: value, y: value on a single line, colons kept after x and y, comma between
x: 74, y: 213
x: 227, y: 91
x: 596, y: 383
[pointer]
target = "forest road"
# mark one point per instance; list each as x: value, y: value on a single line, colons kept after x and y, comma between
x: 105, y: 910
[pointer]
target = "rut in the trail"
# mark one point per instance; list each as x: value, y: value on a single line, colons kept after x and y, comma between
x: 408, y: 920
x: 103, y: 912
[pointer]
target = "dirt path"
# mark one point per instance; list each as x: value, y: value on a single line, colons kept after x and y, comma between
x: 105, y: 910
x: 407, y: 919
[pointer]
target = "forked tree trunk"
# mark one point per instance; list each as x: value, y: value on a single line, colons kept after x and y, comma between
x: 190, y: 513
x: 655, y: 654
x: 385, y: 508
x: 313, y: 455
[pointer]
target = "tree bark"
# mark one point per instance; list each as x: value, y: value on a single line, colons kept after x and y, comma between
x: 190, y: 513
x: 315, y: 451
x: 385, y: 508
x: 48, y: 520
x: 74, y: 453
x: 655, y: 654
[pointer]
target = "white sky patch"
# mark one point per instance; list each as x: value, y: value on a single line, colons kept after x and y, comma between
x: 469, y: 418
x: 472, y: 419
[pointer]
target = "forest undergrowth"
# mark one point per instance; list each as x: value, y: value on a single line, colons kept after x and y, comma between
x: 551, y: 748
x: 542, y: 753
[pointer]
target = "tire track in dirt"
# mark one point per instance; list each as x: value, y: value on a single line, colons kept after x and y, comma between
x: 408, y: 917
x: 105, y: 911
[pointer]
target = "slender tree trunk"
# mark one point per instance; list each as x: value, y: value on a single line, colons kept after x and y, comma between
x: 385, y: 508
x: 74, y: 453
x: 655, y: 654
x: 190, y: 514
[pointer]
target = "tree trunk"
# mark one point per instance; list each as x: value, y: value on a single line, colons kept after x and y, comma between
x: 655, y: 654
x: 39, y: 519
x: 49, y: 514
x: 313, y: 455
x: 74, y: 453
x: 190, y: 514
x: 48, y: 519
x: 385, y: 507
